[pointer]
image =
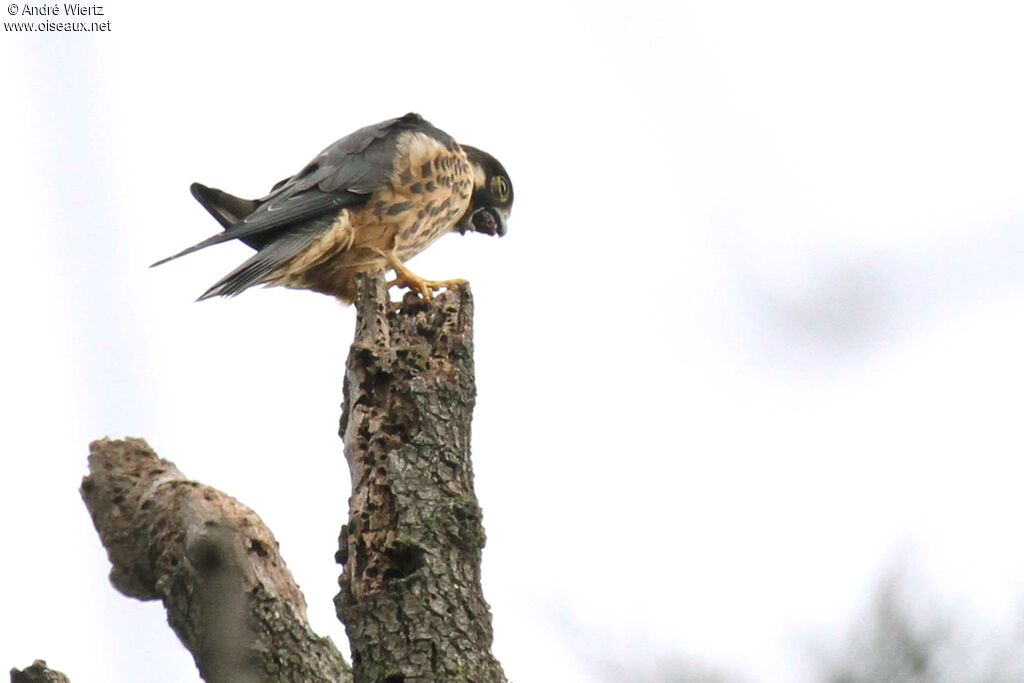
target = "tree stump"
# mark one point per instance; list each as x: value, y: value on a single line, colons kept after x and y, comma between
x: 410, y: 595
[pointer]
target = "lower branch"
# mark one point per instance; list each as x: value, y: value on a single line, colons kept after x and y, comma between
x: 214, y: 564
x: 38, y: 673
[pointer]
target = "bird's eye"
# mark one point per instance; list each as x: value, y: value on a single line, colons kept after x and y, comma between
x: 499, y: 188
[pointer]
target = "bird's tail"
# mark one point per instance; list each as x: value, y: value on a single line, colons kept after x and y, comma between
x: 226, y: 208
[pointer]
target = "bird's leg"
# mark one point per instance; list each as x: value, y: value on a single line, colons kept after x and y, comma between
x: 406, y: 278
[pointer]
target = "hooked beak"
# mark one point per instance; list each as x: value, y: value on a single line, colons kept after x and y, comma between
x: 487, y: 220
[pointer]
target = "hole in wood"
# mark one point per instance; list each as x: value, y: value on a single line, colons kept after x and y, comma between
x: 403, y: 561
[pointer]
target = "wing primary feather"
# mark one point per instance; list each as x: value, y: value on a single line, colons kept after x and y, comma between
x: 255, y: 270
x: 275, y: 215
x: 208, y: 242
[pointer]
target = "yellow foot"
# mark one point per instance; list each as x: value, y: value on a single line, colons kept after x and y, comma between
x: 425, y: 288
x: 406, y: 278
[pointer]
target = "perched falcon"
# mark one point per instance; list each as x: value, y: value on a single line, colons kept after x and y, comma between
x: 370, y: 201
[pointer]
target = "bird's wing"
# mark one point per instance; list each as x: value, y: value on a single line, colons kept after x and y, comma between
x: 374, y: 146
x: 276, y: 215
x: 268, y: 259
x: 341, y: 176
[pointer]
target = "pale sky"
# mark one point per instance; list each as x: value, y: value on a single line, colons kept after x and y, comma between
x: 755, y: 329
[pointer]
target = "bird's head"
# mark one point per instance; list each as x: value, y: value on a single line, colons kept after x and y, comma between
x: 491, y: 203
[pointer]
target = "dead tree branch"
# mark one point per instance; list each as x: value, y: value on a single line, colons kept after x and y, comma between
x: 38, y: 673
x: 410, y: 598
x: 410, y: 595
x: 214, y: 564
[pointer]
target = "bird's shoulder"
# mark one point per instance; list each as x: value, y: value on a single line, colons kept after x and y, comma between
x: 362, y: 161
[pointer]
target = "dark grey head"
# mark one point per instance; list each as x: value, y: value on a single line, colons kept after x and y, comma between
x: 491, y: 204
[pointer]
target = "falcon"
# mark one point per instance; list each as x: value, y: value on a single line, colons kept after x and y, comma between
x: 369, y: 202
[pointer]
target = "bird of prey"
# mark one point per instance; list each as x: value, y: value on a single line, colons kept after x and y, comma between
x: 371, y: 201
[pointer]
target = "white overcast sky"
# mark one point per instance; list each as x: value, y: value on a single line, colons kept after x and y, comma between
x: 756, y: 327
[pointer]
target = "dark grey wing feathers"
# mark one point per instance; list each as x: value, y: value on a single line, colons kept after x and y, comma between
x: 365, y: 172
x: 363, y: 161
x: 278, y: 213
x: 273, y: 215
x: 267, y: 260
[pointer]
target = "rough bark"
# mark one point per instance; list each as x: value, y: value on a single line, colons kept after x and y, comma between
x: 38, y: 673
x: 214, y: 564
x: 410, y: 595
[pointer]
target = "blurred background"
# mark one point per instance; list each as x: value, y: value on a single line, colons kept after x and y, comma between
x: 748, y: 361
